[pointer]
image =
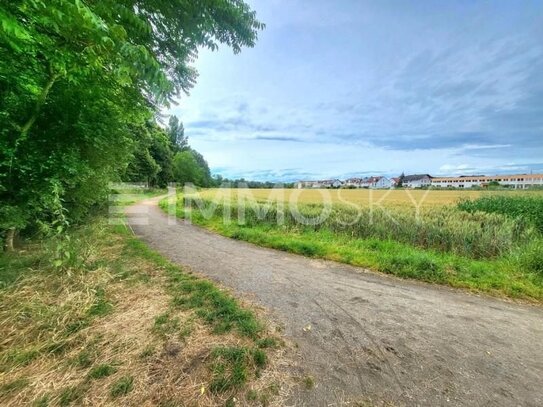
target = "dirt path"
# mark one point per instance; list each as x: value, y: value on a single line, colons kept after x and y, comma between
x: 372, y: 336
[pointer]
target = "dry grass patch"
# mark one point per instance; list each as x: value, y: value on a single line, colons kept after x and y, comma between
x: 130, y: 328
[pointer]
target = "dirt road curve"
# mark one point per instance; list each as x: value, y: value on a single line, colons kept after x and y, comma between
x: 372, y: 336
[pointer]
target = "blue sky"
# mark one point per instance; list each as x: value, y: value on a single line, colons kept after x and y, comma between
x: 345, y: 88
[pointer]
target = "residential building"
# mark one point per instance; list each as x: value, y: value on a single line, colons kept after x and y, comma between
x: 417, y: 181
x: 383, y: 183
x: 332, y: 183
x: 518, y: 181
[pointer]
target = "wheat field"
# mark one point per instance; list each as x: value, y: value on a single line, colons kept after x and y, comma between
x: 358, y: 197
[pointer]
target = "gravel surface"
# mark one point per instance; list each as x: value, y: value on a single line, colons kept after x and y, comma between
x: 368, y: 336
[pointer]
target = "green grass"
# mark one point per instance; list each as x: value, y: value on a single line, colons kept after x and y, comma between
x: 71, y: 395
x: 122, y: 387
x: 517, y: 273
x: 213, y: 305
x: 525, y: 208
x: 100, y: 371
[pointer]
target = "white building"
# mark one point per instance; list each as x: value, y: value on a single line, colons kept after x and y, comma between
x: 382, y: 183
x: 519, y: 181
x: 417, y: 181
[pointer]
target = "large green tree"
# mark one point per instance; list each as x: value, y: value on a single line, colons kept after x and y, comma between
x: 79, y: 79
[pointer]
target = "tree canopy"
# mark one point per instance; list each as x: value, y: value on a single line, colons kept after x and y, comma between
x: 81, y: 82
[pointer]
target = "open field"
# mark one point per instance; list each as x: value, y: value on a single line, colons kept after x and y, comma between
x: 494, y: 244
x: 360, y: 197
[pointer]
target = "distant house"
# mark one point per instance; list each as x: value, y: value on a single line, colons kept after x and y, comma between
x: 353, y: 182
x: 395, y: 181
x: 328, y: 183
x: 369, y: 182
x: 382, y: 183
x: 417, y: 181
x: 336, y: 183
x: 516, y: 181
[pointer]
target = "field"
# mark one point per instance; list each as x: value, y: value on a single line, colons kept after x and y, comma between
x: 481, y: 240
x: 360, y: 197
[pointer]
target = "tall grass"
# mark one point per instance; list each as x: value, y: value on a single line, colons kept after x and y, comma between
x: 523, y: 208
x: 447, y: 229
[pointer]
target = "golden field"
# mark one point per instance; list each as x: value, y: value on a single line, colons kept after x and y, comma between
x: 359, y: 197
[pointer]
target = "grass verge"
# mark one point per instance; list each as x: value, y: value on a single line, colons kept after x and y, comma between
x: 125, y: 326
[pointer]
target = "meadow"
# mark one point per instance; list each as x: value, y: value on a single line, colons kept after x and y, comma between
x: 480, y: 240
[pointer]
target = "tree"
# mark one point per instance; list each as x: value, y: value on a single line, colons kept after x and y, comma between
x: 78, y: 81
x: 400, y: 181
x: 206, y: 180
x: 186, y: 168
x: 176, y: 131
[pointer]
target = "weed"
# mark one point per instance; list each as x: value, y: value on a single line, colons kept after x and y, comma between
x: 165, y: 325
x: 308, y: 382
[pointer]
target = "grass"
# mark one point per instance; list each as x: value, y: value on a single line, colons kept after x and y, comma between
x: 122, y: 387
x: 527, y: 208
x: 104, y: 325
x: 100, y: 371
x: 490, y: 252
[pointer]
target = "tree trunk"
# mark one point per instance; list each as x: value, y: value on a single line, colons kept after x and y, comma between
x: 10, y: 235
x: 37, y: 107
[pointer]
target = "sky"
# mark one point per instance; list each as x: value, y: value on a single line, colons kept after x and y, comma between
x: 336, y: 89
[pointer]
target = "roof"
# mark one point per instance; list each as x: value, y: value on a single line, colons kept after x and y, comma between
x: 479, y: 178
x: 415, y: 177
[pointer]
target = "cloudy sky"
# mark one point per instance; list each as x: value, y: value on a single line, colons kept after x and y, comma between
x: 352, y: 87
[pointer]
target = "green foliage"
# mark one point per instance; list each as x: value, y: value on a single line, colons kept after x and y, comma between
x: 190, y: 167
x: 527, y: 209
x: 80, y: 81
x: 176, y: 133
x: 230, y: 368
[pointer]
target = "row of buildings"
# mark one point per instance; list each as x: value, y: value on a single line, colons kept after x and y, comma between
x: 519, y: 181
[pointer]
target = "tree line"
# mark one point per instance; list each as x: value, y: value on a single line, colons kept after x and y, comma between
x: 82, y: 83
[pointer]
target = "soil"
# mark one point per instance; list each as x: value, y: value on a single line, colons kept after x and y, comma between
x: 368, y: 338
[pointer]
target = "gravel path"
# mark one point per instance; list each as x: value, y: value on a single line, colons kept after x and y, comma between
x: 371, y: 336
